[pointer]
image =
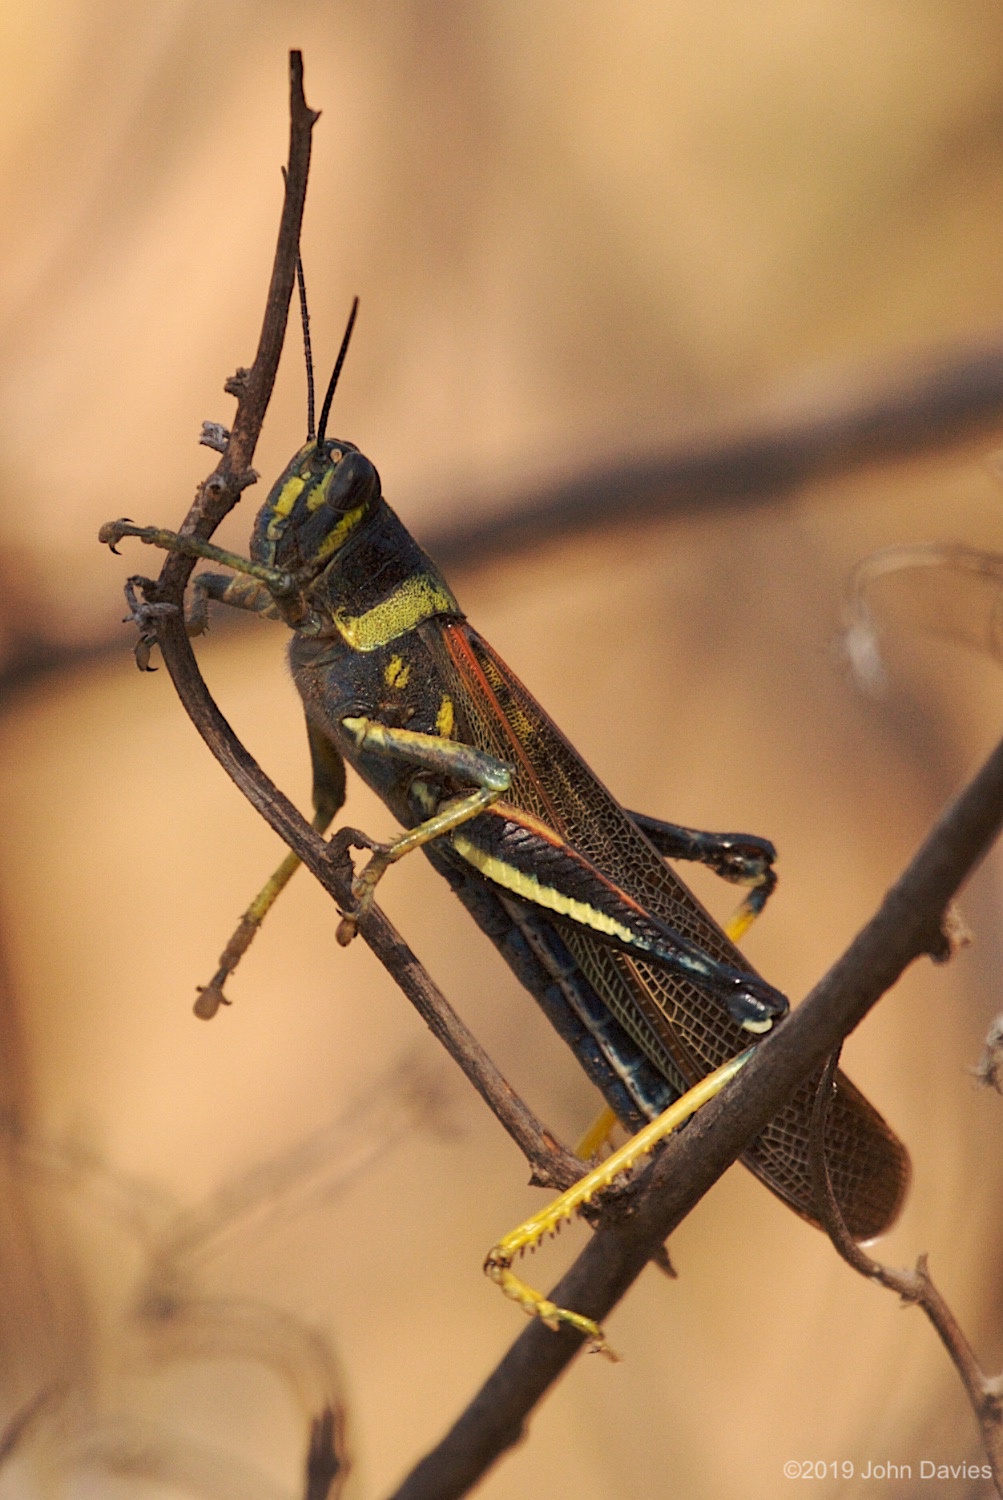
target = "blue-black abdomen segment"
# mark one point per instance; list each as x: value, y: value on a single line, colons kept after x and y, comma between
x: 535, y: 952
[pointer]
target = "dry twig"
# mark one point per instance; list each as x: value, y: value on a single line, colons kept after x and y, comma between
x: 161, y: 617
x: 985, y: 1393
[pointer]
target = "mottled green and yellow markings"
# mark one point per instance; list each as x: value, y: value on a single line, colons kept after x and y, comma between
x: 418, y: 598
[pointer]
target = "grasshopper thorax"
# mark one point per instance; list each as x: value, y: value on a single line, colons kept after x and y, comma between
x: 327, y: 491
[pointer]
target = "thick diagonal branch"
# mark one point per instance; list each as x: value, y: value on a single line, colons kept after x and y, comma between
x: 906, y: 926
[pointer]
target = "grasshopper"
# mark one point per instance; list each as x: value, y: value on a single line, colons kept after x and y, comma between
x: 653, y: 997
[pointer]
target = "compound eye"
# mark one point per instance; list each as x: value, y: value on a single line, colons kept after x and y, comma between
x: 354, y: 482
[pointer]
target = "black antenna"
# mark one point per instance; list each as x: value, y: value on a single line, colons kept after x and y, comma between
x: 305, y: 323
x: 325, y: 410
x: 307, y: 350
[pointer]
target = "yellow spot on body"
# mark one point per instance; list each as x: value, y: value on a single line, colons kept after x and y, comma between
x: 445, y: 718
x: 395, y: 673
x: 530, y: 888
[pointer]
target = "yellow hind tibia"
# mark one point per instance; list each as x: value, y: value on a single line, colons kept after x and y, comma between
x: 549, y: 1219
x: 740, y: 921
x: 597, y: 1136
x: 748, y: 910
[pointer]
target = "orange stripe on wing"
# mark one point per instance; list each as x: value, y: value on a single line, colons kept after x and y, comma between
x: 466, y: 663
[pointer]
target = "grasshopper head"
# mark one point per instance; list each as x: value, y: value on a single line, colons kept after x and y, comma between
x: 321, y: 498
x: 325, y: 493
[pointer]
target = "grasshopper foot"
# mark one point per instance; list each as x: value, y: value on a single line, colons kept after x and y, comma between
x: 211, y: 997
x: 144, y: 615
x: 112, y: 532
x: 534, y: 1305
x: 363, y: 884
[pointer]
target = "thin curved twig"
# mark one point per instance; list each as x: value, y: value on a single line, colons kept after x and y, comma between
x: 552, y: 1164
x: 323, y: 1461
x: 253, y: 388
x: 985, y: 1393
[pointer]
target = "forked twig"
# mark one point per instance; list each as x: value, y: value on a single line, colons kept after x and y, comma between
x: 985, y: 1393
x: 552, y: 1164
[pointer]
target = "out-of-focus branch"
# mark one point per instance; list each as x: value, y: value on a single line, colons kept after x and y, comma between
x: 323, y: 1464
x: 23, y: 1418
x: 944, y: 398
x: 907, y: 925
x: 957, y: 395
x: 985, y: 1393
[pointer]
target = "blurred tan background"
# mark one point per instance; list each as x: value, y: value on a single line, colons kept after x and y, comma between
x: 578, y: 233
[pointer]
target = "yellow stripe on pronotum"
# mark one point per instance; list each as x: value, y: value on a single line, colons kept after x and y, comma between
x: 419, y: 598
